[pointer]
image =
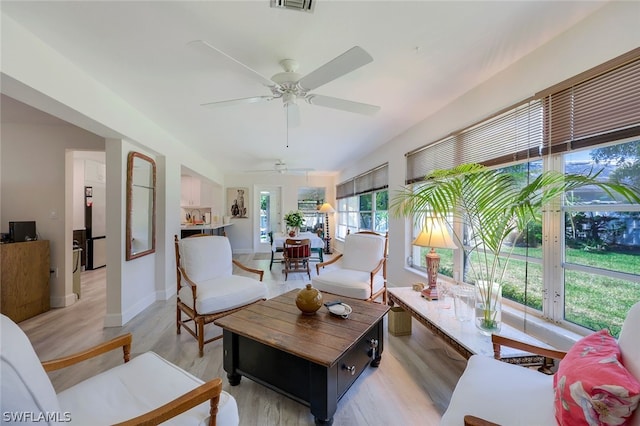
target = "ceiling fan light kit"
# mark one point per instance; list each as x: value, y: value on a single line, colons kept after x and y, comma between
x: 291, y: 86
x: 299, y: 5
x: 281, y: 168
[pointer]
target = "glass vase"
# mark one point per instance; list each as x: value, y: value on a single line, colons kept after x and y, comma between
x: 488, y: 313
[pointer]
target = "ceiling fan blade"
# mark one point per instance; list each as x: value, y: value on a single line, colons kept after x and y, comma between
x: 349, y: 61
x: 232, y: 102
x: 293, y: 114
x: 207, y: 49
x: 259, y: 171
x: 342, y: 104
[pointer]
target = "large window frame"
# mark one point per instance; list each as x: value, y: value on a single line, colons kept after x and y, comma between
x: 363, y: 203
x: 364, y: 212
x: 598, y: 108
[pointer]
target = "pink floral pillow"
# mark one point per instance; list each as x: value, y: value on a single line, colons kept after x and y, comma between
x: 592, y: 387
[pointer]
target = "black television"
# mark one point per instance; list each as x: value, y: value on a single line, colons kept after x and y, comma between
x: 22, y: 231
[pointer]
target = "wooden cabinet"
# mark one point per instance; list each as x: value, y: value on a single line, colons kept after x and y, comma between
x: 195, y: 192
x: 189, y: 191
x: 25, y: 279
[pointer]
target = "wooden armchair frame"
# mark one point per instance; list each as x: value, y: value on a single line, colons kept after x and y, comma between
x: 209, y: 391
x: 381, y: 265
x: 192, y: 314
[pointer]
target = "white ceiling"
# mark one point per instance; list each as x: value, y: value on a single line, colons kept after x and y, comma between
x: 426, y: 54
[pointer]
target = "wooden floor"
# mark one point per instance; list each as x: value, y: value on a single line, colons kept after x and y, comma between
x: 413, y: 384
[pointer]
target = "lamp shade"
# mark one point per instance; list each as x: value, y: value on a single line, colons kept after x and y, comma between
x: 434, y: 235
x: 326, y: 208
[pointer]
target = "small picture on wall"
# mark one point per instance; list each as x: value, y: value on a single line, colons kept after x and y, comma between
x: 238, y: 202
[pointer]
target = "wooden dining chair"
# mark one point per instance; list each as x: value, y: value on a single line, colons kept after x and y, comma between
x: 296, y: 256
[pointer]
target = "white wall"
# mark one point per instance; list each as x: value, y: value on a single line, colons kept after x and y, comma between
x: 33, y: 188
x: 33, y: 73
x: 610, y: 32
x: 243, y: 230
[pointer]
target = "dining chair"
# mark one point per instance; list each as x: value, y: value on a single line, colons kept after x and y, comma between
x: 296, y: 256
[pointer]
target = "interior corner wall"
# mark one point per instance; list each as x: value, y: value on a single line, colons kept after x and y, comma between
x: 604, y: 35
x: 33, y: 188
x: 167, y: 221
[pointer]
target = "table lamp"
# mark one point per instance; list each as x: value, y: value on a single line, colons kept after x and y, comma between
x: 326, y: 208
x: 433, y: 235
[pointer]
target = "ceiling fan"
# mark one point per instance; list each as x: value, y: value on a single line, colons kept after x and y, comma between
x: 291, y: 86
x: 281, y: 167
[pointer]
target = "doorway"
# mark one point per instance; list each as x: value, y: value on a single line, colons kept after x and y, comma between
x: 269, y: 204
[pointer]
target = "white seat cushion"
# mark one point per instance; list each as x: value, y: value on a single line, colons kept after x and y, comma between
x: 26, y: 387
x: 144, y: 383
x: 222, y: 294
x: 502, y: 393
x: 348, y: 283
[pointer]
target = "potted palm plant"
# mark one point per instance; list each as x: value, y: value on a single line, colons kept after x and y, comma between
x: 493, y: 208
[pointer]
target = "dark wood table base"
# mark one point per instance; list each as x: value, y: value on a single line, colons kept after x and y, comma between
x: 312, y: 359
x: 316, y: 386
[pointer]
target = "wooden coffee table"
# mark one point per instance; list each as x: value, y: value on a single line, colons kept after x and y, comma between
x: 313, y: 359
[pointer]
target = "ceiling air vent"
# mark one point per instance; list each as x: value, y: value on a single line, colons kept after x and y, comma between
x: 302, y: 5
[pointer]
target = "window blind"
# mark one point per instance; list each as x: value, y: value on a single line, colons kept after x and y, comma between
x: 372, y: 180
x: 601, y: 109
x: 439, y: 155
x: 345, y: 189
x: 597, y: 106
x: 506, y: 137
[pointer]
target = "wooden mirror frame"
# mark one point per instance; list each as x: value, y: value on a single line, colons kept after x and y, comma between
x: 150, y: 214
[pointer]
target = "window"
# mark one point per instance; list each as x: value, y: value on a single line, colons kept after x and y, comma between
x: 363, y: 212
x: 363, y: 203
x: 580, y: 266
x: 601, y: 241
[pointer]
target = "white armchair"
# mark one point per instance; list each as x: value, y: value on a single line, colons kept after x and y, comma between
x: 146, y: 390
x: 207, y: 288
x: 360, y: 272
x: 494, y: 392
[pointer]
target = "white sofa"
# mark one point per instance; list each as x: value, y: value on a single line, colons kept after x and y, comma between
x: 512, y: 395
x: 145, y: 390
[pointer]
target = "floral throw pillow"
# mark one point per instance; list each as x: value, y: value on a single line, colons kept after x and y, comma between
x: 592, y: 387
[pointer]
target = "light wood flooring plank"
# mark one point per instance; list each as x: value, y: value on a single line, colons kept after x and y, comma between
x: 413, y: 384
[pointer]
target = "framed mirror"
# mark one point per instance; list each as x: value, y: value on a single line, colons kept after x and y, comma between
x: 141, y: 205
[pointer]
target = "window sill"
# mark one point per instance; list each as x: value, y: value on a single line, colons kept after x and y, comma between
x: 530, y: 323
